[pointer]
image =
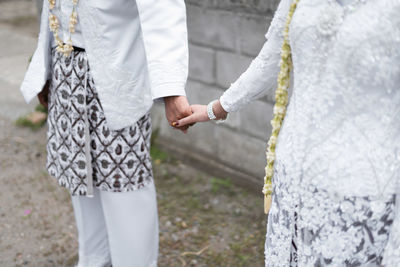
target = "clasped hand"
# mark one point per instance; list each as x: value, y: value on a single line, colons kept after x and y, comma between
x: 194, y: 114
x: 176, y: 108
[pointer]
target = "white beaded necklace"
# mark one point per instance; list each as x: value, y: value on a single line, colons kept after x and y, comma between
x: 65, y: 48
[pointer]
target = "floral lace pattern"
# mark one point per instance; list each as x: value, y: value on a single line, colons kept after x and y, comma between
x: 337, y: 173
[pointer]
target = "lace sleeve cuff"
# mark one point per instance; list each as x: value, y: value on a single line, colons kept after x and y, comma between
x: 391, y: 256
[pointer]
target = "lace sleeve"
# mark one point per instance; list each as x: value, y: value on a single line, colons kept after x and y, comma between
x: 262, y: 74
x: 391, y: 256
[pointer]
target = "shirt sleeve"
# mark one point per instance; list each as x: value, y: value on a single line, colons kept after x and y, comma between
x: 262, y: 74
x: 165, y: 40
x: 39, y: 69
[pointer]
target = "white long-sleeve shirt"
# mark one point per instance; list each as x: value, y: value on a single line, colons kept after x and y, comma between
x: 137, y: 51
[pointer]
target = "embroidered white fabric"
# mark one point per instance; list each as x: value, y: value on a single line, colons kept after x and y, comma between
x: 337, y: 171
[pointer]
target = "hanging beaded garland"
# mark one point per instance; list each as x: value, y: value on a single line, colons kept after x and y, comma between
x: 65, y: 48
x: 281, y: 101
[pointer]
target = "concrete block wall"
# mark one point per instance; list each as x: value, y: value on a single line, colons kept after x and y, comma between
x: 224, y: 36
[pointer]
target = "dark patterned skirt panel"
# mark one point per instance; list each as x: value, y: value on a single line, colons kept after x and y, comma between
x: 119, y: 161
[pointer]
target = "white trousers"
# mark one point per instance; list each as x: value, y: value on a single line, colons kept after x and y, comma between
x: 118, y: 229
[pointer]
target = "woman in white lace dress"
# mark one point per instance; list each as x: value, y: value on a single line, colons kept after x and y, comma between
x: 336, y: 178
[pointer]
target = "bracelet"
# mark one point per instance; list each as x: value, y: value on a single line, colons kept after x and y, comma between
x: 210, y: 112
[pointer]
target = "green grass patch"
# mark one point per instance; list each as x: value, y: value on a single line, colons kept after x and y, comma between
x: 158, y: 155
x: 25, y: 122
x: 221, y: 185
x: 41, y: 108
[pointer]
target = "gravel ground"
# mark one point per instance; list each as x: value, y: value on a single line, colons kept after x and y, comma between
x: 204, y: 220
x: 36, y: 218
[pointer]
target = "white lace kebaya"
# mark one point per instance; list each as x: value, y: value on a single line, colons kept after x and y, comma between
x: 337, y: 169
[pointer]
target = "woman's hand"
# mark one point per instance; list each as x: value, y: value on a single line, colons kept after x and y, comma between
x: 199, y: 114
x: 43, y: 96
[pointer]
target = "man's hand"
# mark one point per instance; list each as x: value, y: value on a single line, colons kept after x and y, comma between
x: 43, y: 96
x: 176, y: 108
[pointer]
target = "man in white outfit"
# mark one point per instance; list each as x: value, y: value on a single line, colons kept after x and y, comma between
x: 99, y: 76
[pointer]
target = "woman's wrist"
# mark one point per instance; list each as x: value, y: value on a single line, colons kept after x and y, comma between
x: 219, y: 111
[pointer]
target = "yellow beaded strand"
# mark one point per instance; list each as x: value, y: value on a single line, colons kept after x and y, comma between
x: 281, y: 101
x: 54, y: 24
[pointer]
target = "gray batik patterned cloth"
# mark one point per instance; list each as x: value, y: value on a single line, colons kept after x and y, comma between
x: 120, y: 159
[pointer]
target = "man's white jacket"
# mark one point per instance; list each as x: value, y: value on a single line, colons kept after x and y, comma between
x: 137, y: 51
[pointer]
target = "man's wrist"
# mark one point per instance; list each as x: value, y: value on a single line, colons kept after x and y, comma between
x: 173, y: 99
x: 164, y: 90
x: 170, y: 97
